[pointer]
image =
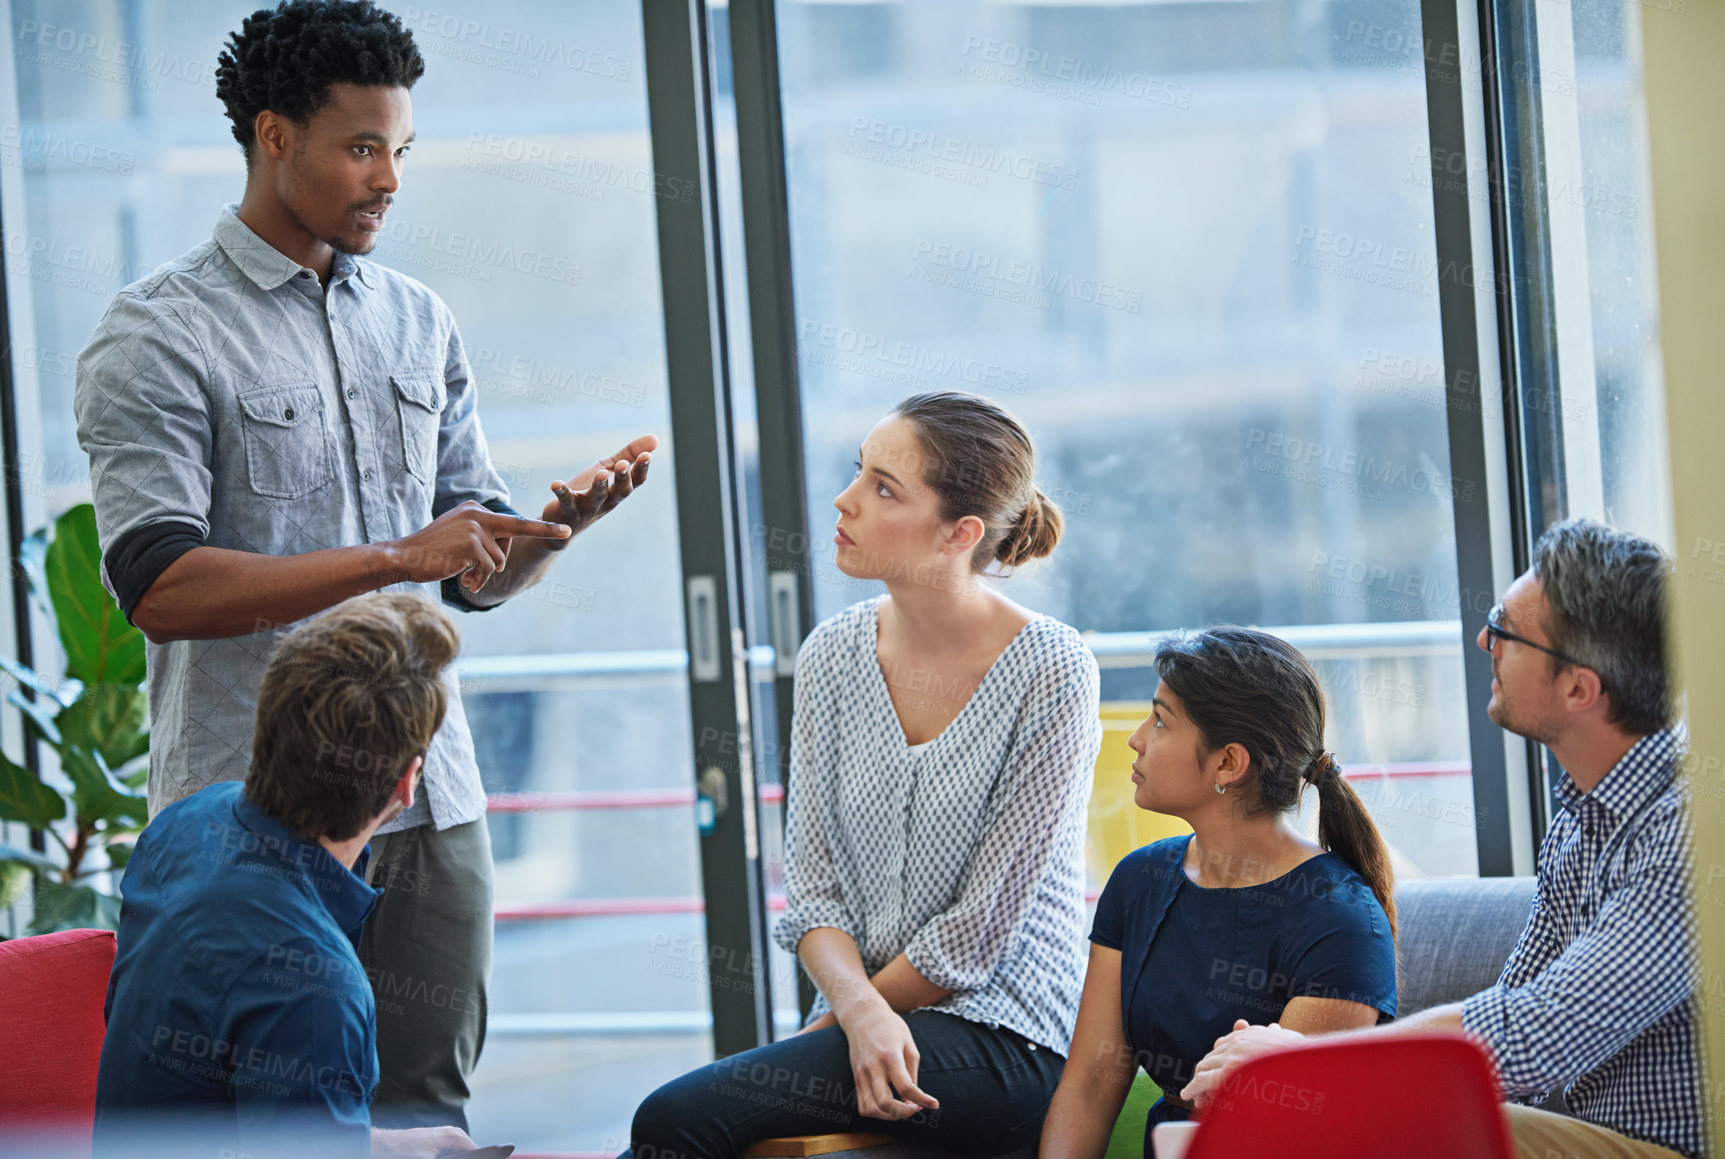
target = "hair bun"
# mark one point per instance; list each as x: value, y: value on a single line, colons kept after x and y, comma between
x: 1034, y: 533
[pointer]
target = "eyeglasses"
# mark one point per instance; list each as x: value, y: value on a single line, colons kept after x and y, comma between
x: 1495, y: 631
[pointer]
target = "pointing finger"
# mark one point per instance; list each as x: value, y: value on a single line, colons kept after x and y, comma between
x: 521, y: 525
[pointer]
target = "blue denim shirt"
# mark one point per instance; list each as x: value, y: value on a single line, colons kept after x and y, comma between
x: 237, y: 993
x: 229, y: 399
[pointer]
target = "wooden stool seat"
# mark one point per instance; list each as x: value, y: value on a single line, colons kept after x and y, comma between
x: 814, y: 1144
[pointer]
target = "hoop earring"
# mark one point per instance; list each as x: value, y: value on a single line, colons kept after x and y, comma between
x: 1220, y: 789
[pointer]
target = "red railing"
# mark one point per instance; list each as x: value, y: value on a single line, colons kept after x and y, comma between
x: 595, y: 799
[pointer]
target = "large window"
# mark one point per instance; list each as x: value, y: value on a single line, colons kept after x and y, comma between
x: 1581, y: 292
x: 1191, y: 245
x: 528, y: 205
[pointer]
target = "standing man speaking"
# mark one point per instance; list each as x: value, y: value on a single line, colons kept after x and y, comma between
x: 275, y: 425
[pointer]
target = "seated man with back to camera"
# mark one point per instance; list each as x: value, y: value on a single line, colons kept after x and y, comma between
x: 240, y: 1020
x: 1598, y: 997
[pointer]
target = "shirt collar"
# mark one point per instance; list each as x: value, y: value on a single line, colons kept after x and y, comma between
x: 342, y: 891
x: 1640, y: 775
x: 269, y: 268
x: 353, y: 265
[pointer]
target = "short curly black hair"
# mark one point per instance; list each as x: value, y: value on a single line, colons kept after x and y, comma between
x: 285, y: 59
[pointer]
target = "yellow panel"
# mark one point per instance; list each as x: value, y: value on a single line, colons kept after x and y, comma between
x: 1684, y: 43
x: 1117, y: 824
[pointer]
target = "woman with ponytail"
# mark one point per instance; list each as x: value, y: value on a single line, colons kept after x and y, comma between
x: 943, y: 742
x: 1245, y: 919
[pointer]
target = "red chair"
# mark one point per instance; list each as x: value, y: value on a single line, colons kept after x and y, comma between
x: 52, y: 988
x: 1427, y: 1097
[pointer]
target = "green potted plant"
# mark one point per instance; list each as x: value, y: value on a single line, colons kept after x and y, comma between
x: 94, y: 718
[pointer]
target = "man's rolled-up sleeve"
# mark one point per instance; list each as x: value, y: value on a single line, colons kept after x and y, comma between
x: 143, y: 419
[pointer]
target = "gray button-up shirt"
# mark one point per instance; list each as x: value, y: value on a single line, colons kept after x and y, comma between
x: 232, y: 393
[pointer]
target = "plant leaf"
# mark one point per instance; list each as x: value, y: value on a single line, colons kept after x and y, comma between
x: 107, y: 719
x: 72, y: 907
x: 12, y: 854
x: 101, y: 647
x: 96, y: 795
x: 15, y: 882
x: 36, y: 713
x: 135, y: 773
x: 25, y: 799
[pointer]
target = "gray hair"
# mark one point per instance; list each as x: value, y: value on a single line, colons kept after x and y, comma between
x: 1606, y: 591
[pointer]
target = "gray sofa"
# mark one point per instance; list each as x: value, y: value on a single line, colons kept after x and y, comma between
x: 1453, y: 937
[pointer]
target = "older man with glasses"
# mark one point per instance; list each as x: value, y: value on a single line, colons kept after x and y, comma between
x: 1598, y: 998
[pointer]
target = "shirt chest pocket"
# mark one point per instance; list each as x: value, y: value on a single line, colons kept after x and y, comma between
x: 288, y: 450
x: 419, y: 404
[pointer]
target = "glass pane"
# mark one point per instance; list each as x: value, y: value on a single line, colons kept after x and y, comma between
x: 1610, y: 197
x: 528, y: 205
x: 1190, y: 245
x: 770, y: 763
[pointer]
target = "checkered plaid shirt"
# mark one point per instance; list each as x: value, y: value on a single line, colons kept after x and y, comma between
x: 1599, y: 996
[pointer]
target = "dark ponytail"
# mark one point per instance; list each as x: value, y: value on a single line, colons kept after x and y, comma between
x: 1242, y: 686
x: 1346, y: 827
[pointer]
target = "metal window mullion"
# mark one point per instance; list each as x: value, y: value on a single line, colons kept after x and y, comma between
x: 1468, y: 382
x: 784, y: 541
x: 1526, y: 316
x: 678, y: 101
x: 20, y: 427
x: 1509, y: 40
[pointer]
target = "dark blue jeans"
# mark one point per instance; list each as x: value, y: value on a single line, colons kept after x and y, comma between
x: 994, y: 1087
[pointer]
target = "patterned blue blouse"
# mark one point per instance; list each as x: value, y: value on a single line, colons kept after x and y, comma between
x: 966, y: 856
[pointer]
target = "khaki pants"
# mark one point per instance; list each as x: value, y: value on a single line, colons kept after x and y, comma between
x: 427, y: 950
x: 1542, y: 1135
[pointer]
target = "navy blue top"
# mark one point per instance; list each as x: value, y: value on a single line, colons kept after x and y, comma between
x: 237, y: 995
x: 1192, y: 960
